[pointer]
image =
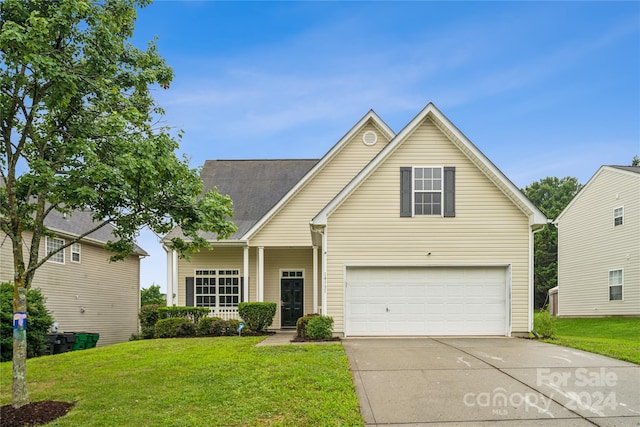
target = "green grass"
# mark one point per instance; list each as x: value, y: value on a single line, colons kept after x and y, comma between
x: 617, y: 337
x: 224, y: 381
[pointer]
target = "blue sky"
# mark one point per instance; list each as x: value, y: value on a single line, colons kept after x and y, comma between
x: 541, y: 88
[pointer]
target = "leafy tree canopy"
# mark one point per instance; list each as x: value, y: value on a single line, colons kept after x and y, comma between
x: 151, y: 296
x: 551, y: 195
x: 78, y: 132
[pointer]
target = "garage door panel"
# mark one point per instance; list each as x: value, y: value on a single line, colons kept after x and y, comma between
x: 426, y: 301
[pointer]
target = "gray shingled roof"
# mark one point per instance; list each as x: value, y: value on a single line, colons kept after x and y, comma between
x: 78, y: 223
x: 255, y: 186
x: 635, y: 169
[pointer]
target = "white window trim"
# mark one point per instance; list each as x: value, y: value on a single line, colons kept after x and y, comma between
x: 620, y: 216
x: 413, y: 192
x: 60, y: 253
x: 217, y: 276
x: 76, y: 249
x: 288, y: 270
x: 621, y: 284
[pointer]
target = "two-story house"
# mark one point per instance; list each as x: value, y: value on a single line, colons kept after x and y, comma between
x: 414, y: 233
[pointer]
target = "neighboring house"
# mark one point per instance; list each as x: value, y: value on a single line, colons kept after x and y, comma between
x: 85, y: 292
x: 410, y: 234
x: 599, y: 246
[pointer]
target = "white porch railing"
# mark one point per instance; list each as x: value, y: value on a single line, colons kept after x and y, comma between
x: 224, y: 313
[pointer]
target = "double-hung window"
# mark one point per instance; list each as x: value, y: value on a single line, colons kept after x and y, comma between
x: 427, y: 191
x: 75, y: 252
x: 217, y: 288
x: 618, y: 216
x: 52, y: 245
x: 615, y: 285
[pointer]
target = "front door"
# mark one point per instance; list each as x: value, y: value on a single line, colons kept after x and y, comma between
x: 291, y: 301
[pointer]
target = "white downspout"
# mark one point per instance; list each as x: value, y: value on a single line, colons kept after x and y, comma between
x: 324, y: 271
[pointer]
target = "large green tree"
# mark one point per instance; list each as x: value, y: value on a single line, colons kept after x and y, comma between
x: 77, y: 129
x: 151, y: 296
x: 551, y: 195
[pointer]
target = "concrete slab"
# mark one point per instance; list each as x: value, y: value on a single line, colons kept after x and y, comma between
x: 527, y: 353
x: 412, y: 358
x: 589, y: 392
x: 453, y: 396
x: 490, y: 381
x: 573, y: 422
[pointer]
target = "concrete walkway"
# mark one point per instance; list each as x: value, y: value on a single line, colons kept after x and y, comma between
x: 490, y: 381
x: 284, y: 337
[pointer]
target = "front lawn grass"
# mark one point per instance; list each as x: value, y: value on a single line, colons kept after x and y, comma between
x: 617, y: 337
x: 224, y: 381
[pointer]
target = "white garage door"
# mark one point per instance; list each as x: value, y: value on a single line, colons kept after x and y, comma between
x: 426, y: 301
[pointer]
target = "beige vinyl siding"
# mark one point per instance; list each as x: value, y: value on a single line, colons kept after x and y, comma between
x: 589, y: 245
x: 487, y: 229
x: 290, y: 226
x: 227, y: 258
x: 108, y: 292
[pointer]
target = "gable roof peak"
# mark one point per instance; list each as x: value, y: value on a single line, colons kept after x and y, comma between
x: 536, y: 217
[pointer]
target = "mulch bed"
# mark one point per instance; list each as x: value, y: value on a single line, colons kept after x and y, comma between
x: 33, y: 414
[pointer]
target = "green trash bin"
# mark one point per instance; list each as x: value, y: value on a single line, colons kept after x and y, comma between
x: 81, y: 341
x: 92, y: 340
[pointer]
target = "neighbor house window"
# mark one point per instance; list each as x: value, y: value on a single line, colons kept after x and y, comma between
x: 52, y: 244
x: 427, y: 191
x: 615, y: 285
x: 75, y: 252
x: 217, y: 288
x: 618, y: 216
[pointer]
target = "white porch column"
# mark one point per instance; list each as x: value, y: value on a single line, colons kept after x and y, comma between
x: 245, y: 272
x: 174, y: 285
x: 169, y: 276
x: 315, y: 279
x: 260, y: 278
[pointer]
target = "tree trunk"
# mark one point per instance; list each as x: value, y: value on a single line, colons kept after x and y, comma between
x: 20, y: 393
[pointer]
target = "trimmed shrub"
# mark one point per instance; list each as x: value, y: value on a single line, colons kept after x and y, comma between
x: 192, y: 313
x: 187, y: 329
x: 204, y: 327
x: 544, y: 324
x: 257, y: 316
x: 148, y: 316
x: 39, y: 321
x: 301, y: 325
x: 320, y: 328
x: 173, y: 327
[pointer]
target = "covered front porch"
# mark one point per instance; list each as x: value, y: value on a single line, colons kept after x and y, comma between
x: 229, y: 274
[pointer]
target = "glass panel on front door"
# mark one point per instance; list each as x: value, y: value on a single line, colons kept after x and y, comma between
x: 291, y: 301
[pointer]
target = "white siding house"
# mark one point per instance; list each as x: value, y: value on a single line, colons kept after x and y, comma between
x: 599, y: 246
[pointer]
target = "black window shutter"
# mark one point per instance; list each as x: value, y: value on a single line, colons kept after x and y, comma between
x: 241, y: 289
x: 405, y: 192
x: 189, y: 292
x: 449, y: 191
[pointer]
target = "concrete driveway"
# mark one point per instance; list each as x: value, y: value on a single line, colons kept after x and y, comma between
x: 490, y: 381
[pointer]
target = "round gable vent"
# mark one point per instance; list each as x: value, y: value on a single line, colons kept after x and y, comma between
x: 369, y: 138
